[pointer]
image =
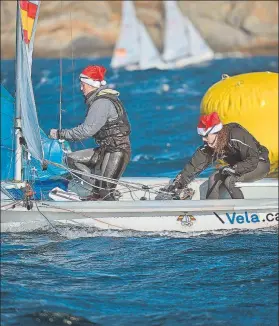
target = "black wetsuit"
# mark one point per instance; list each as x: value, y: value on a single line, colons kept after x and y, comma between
x: 107, y: 122
x: 244, y: 154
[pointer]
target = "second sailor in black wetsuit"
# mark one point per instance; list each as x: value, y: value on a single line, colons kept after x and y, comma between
x: 247, y: 159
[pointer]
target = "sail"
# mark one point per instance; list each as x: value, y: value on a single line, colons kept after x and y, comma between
x: 176, y: 42
x: 7, y: 132
x: 198, y: 46
x: 127, y: 49
x: 29, y: 120
x: 52, y: 148
x: 181, y: 38
x: 149, y: 55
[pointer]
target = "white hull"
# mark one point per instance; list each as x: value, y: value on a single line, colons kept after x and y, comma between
x: 180, y: 217
x: 155, y: 216
x: 194, y: 60
x: 183, y: 62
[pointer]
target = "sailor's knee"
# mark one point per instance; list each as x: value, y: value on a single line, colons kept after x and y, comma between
x: 70, y: 161
x: 211, y: 179
x: 230, y: 181
x: 214, y: 177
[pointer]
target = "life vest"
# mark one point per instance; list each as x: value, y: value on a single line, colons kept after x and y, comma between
x: 112, y: 133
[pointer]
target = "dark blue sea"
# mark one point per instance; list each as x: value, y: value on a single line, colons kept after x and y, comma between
x: 83, y: 276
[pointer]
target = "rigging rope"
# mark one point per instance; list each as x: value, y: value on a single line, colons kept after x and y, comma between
x: 61, y: 81
x: 52, y: 225
x: 31, y: 181
x: 127, y: 184
x: 85, y: 215
x: 72, y: 57
x: 73, y: 74
x: 11, y: 205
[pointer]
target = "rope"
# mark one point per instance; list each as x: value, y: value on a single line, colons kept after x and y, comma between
x: 94, y: 186
x: 61, y: 81
x: 31, y: 180
x: 52, y: 225
x: 13, y: 205
x: 128, y: 184
x: 72, y: 57
x: 87, y: 216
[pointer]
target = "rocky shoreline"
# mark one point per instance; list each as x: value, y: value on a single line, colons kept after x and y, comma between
x: 91, y: 28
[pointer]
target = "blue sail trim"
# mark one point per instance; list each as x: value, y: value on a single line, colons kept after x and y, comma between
x: 52, y: 148
x: 41, y: 189
x: 7, y: 134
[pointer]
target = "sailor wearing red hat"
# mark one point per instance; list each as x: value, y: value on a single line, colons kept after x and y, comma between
x: 107, y: 122
x: 93, y: 76
x: 246, y: 158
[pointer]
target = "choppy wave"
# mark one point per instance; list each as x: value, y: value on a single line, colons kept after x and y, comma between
x: 119, y: 278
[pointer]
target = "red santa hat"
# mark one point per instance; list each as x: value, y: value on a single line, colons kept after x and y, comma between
x: 93, y: 76
x: 209, y: 124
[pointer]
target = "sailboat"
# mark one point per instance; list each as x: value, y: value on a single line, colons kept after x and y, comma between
x: 134, y: 49
x: 136, y: 209
x: 127, y: 52
x: 183, y: 44
x: 25, y: 114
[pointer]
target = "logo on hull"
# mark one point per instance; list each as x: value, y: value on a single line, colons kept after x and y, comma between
x: 187, y: 220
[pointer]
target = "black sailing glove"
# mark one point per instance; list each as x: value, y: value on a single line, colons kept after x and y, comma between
x: 177, y: 189
x: 176, y: 184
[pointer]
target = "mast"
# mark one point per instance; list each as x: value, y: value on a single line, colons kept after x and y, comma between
x: 18, y: 148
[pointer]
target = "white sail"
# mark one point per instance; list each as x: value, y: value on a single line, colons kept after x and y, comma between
x: 176, y: 42
x: 198, y: 45
x: 127, y: 50
x: 29, y: 118
x: 149, y: 54
x: 182, y: 41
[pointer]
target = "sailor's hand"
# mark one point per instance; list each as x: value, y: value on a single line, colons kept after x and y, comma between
x: 53, y: 134
x: 165, y: 193
x: 172, y: 190
x: 178, y: 182
x: 172, y: 193
x: 228, y: 171
x: 173, y: 186
x: 169, y: 188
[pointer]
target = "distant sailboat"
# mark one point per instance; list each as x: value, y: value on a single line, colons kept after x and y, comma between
x: 127, y: 50
x: 183, y: 44
x: 134, y: 49
x: 149, y: 54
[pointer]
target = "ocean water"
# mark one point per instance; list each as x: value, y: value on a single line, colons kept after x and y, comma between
x: 82, y: 276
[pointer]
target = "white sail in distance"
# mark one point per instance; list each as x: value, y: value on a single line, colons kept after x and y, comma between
x: 197, y: 45
x: 176, y: 42
x: 182, y: 41
x: 127, y: 50
x: 149, y: 54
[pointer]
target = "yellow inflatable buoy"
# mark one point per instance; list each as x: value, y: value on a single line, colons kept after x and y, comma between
x: 251, y: 100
